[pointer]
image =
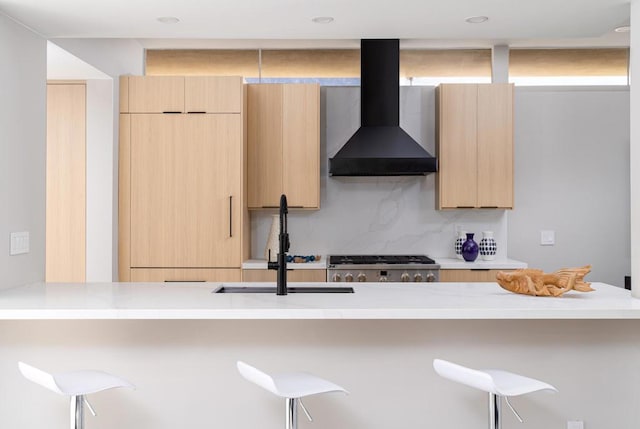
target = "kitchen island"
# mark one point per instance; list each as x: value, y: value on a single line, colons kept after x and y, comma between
x: 42, y: 301
x: 178, y: 343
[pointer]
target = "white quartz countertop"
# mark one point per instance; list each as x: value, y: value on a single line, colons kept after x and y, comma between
x: 498, y: 264
x: 261, y: 264
x: 122, y: 301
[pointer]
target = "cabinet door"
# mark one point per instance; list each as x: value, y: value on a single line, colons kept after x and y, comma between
x: 185, y: 190
x: 264, y: 135
x: 156, y: 94
x: 457, y: 147
x: 213, y: 94
x: 495, y: 145
x: 185, y: 275
x: 469, y: 276
x: 315, y: 276
x: 124, y: 200
x: 65, y: 183
x: 301, y: 145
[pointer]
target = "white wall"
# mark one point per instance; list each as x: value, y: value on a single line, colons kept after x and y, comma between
x: 572, y: 176
x: 100, y: 161
x: 634, y: 156
x: 23, y: 73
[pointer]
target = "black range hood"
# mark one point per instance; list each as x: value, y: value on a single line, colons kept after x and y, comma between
x: 380, y: 147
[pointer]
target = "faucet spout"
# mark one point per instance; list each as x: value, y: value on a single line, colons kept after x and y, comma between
x: 283, y: 238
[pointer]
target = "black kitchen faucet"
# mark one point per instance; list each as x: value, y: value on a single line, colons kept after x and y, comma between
x: 283, y: 238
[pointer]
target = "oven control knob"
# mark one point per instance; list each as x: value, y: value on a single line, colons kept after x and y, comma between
x: 383, y: 279
x: 362, y: 277
x: 336, y: 277
x: 405, y: 277
x: 431, y: 277
x: 348, y: 277
x: 417, y: 277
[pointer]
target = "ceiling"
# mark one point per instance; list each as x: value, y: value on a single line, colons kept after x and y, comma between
x: 287, y: 23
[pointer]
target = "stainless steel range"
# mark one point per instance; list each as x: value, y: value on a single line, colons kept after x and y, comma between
x: 382, y: 268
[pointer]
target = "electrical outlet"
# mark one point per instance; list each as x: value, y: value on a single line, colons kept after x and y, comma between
x: 19, y: 243
x: 575, y: 424
x: 547, y: 238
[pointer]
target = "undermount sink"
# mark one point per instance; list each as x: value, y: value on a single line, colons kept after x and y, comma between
x: 290, y: 289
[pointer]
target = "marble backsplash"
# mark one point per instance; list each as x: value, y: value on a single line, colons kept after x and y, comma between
x: 368, y: 215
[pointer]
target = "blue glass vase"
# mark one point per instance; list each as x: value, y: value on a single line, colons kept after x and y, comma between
x: 470, y: 249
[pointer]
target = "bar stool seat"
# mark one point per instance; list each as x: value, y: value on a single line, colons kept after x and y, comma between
x: 499, y: 384
x: 291, y: 386
x: 75, y: 384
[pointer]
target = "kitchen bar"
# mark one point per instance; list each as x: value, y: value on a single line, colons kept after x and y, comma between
x: 178, y: 343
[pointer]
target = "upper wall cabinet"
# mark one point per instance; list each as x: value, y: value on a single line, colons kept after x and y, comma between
x: 213, y: 94
x: 152, y: 94
x: 181, y: 94
x: 475, y: 146
x: 283, y: 145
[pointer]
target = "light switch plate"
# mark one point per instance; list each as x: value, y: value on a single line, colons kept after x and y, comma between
x: 547, y: 238
x: 19, y: 243
x: 575, y: 424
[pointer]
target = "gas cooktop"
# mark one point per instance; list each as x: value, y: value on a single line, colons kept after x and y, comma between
x: 379, y: 259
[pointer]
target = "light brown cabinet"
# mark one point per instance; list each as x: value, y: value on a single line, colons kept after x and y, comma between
x: 182, y: 191
x: 181, y: 94
x: 185, y: 275
x: 151, y: 94
x: 283, y: 145
x: 186, y: 190
x: 469, y: 276
x: 314, y: 276
x: 475, y: 146
x: 65, y: 241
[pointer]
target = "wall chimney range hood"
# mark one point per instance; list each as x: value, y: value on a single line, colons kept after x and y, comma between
x: 380, y: 147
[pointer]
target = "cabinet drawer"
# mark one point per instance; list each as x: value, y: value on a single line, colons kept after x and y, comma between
x: 292, y: 276
x: 187, y: 275
x: 466, y: 276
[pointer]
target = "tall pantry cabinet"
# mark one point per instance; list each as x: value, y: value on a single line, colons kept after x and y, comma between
x: 183, y: 213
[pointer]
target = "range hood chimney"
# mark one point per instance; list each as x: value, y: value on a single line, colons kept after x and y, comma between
x: 380, y: 147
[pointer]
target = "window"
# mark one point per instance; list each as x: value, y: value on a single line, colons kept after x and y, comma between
x: 432, y: 66
x: 325, y: 66
x: 569, y: 66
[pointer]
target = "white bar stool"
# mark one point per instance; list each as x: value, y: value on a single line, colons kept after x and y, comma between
x: 75, y: 385
x: 291, y: 386
x: 499, y: 384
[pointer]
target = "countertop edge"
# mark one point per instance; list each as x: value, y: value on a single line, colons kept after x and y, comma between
x: 379, y: 301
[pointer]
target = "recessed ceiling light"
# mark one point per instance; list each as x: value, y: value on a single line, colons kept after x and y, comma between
x: 168, y: 19
x: 477, y: 19
x: 623, y: 29
x: 322, y: 19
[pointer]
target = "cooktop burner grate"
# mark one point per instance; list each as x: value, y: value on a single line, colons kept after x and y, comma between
x: 379, y: 259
